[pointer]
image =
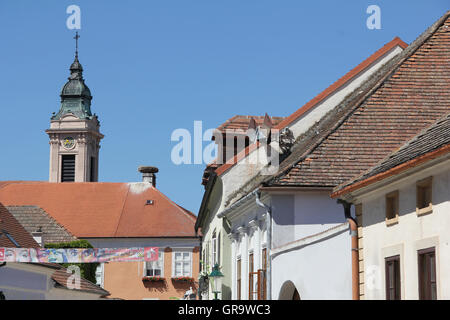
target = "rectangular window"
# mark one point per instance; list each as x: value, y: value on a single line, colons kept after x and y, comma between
x: 207, y: 257
x: 68, y: 168
x: 392, y: 207
x: 427, y: 274
x: 238, y: 278
x: 182, y: 265
x: 393, y: 286
x: 155, y: 268
x: 203, y: 261
x: 263, y: 276
x: 214, y: 249
x: 424, y: 196
x: 92, y: 171
x: 250, y: 276
x: 218, y: 249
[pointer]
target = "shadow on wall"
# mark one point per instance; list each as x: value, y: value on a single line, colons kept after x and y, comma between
x: 288, y: 291
x: 226, y: 292
x: 183, y: 286
x: 306, y: 208
x: 156, y: 286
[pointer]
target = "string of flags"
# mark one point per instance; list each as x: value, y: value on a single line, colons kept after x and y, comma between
x: 78, y: 255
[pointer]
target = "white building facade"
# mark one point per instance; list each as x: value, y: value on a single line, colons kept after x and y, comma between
x: 305, y: 233
x: 231, y: 209
x: 398, y: 249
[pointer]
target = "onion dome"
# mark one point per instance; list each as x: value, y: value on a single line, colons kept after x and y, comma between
x: 75, y: 95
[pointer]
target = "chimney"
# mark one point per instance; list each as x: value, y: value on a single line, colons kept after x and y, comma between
x: 148, y: 174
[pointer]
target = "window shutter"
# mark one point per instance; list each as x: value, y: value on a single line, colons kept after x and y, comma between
x: 68, y: 168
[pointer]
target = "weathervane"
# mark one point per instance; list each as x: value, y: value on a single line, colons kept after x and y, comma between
x: 76, y: 43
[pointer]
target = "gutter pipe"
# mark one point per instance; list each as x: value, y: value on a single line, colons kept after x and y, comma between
x: 354, y: 247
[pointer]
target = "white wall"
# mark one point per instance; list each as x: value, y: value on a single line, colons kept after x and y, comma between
x: 321, y: 270
x: 307, y: 266
x: 411, y: 233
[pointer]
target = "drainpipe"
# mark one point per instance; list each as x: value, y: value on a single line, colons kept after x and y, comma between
x: 269, y: 243
x: 354, y: 247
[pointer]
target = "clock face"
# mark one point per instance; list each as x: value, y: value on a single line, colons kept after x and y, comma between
x: 68, y: 142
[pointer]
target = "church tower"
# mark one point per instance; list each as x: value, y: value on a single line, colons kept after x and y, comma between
x: 74, y: 132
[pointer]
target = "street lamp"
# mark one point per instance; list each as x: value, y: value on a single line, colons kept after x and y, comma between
x: 216, y: 275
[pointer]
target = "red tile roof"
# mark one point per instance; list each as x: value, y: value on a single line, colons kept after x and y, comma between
x: 321, y: 97
x: 414, y: 94
x: 94, y: 209
x: 431, y: 143
x: 343, y: 81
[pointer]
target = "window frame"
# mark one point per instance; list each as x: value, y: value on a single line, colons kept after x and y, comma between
x: 421, y: 184
x: 395, y: 196
x: 398, y: 278
x: 161, y: 260
x: 423, y: 281
x: 63, y: 168
x: 238, y: 278
x: 264, y: 269
x: 182, y: 261
x: 214, y: 249
x: 250, y: 272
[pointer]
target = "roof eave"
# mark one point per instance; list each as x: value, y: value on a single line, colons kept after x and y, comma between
x: 202, y: 212
x: 343, y: 191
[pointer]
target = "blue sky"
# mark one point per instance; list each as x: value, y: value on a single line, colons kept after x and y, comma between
x: 156, y: 66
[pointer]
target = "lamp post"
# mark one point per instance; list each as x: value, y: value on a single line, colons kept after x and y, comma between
x: 216, y: 276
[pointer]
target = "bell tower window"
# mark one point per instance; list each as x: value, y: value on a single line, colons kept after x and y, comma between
x: 68, y: 168
x: 92, y: 170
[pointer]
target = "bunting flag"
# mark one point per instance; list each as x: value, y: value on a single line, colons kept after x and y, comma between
x: 97, y: 255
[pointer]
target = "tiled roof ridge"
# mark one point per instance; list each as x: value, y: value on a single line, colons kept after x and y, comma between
x: 389, y: 68
x: 367, y: 173
x: 324, y: 94
x: 343, y: 80
x: 342, y: 112
x: 314, y: 136
x: 47, y: 215
x: 122, y: 210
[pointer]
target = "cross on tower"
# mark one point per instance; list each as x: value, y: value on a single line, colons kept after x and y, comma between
x: 76, y: 43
